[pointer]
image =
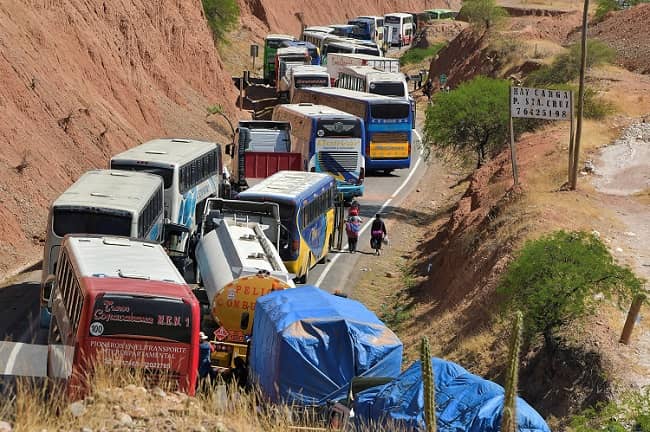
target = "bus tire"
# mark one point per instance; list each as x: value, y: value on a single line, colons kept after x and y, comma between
x: 303, y: 279
x: 388, y: 171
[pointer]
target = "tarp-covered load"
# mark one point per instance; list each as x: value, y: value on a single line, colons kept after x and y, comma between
x: 307, y: 345
x: 464, y: 402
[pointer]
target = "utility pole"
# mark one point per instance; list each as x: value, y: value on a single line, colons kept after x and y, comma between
x: 581, y: 96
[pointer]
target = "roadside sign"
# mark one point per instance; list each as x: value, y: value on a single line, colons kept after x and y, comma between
x: 254, y: 50
x: 544, y: 104
x: 443, y: 78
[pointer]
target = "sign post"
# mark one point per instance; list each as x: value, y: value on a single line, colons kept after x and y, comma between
x: 544, y: 104
x: 254, y: 52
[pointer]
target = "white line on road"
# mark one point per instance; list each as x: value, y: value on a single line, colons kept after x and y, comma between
x: 365, y: 227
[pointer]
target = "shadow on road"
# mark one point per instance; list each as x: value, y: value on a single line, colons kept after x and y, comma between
x: 19, y: 321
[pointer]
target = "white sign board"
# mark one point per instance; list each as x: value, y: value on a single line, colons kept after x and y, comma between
x: 540, y: 103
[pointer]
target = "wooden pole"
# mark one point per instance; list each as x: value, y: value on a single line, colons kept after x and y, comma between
x: 513, y: 151
x: 581, y: 97
x: 571, y: 137
x: 241, y: 92
x: 632, y: 316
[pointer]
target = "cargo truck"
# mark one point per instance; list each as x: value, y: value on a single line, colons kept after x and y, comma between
x: 261, y: 148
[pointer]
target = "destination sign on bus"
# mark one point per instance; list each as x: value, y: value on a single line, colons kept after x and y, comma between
x: 335, y: 144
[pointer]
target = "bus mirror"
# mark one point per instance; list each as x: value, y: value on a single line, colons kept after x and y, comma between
x: 48, y: 286
x: 245, y: 317
x: 230, y: 150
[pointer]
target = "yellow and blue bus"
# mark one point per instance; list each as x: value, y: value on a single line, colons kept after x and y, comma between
x: 330, y: 141
x: 306, y: 201
x: 388, y: 122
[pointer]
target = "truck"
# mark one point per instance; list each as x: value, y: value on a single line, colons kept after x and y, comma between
x: 238, y: 261
x: 337, y: 61
x: 261, y: 148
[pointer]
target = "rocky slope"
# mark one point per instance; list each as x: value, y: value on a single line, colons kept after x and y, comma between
x: 84, y: 79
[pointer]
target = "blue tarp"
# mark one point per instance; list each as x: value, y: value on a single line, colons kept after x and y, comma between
x: 308, y: 344
x: 464, y: 402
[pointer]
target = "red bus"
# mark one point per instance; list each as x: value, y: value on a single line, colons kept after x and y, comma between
x: 122, y: 302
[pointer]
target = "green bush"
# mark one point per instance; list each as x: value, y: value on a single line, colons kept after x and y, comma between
x: 554, y: 279
x: 566, y: 67
x: 222, y: 15
x: 605, y: 6
x: 473, y: 117
x: 418, y: 55
x: 595, y: 107
x: 482, y: 14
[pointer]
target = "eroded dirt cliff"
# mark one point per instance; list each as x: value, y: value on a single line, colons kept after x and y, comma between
x: 84, y: 79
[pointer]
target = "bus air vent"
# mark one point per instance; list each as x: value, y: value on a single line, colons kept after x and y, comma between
x: 258, y: 255
x: 159, y: 152
x: 305, y: 104
x: 119, y: 174
x: 100, y: 195
x: 181, y: 140
x: 248, y: 237
x: 116, y: 241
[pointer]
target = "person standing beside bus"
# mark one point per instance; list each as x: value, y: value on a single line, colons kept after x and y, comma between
x: 352, y: 229
x: 377, y: 234
x: 205, y: 364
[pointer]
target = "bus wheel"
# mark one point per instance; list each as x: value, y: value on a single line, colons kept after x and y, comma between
x: 303, y: 279
x: 388, y: 171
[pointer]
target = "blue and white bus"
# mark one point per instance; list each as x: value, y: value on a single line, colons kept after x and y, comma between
x: 306, y: 201
x: 388, y: 122
x: 191, y: 171
x: 330, y: 141
x: 105, y: 202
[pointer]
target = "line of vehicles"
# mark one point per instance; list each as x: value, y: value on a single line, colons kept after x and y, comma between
x: 142, y: 255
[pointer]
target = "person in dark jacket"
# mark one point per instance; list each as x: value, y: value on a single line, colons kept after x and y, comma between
x: 377, y: 233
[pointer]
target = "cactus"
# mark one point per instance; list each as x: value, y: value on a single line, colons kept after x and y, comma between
x: 509, y: 415
x: 429, y: 386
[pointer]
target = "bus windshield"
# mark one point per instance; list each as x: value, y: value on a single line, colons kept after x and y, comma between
x: 392, y: 19
x: 369, y: 51
x: 127, y: 316
x: 387, y: 88
x: 339, y: 128
x: 89, y: 221
x: 311, y: 81
x: 390, y: 111
x: 166, y: 173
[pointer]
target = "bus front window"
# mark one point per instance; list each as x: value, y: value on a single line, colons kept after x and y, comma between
x: 388, y: 88
x: 166, y: 173
x: 87, y: 221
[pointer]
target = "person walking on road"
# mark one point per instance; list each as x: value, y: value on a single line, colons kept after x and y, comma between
x: 377, y: 234
x: 352, y: 229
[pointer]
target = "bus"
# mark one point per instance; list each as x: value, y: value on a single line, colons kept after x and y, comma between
x: 330, y: 141
x: 370, y: 80
x: 121, y: 303
x: 306, y: 201
x: 191, y: 171
x: 403, y: 28
x: 102, y: 202
x: 318, y: 39
x: 321, y: 29
x: 285, y: 59
x: 271, y: 43
x: 307, y: 76
x: 349, y: 47
x: 364, y: 28
x: 379, y: 27
x: 388, y: 122
x: 440, y: 14
x: 343, y: 30
x: 338, y: 61
x: 312, y: 50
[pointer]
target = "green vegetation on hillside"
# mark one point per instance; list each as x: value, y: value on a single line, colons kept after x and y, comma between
x: 482, y: 14
x: 221, y: 15
x: 629, y: 412
x: 473, y: 117
x: 555, y: 280
x: 418, y: 55
x: 605, y: 6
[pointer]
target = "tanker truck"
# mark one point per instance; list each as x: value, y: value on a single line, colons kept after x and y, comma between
x: 238, y: 261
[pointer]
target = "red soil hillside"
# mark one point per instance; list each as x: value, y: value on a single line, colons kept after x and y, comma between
x: 84, y: 79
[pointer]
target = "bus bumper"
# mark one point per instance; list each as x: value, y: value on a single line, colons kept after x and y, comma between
x: 387, y: 164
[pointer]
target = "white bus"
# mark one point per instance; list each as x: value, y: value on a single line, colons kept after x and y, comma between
x: 318, y: 38
x: 307, y: 76
x: 317, y: 29
x: 338, y: 61
x: 330, y: 141
x: 191, y: 171
x: 102, y: 202
x: 370, y: 80
x: 403, y: 28
x: 348, y: 47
